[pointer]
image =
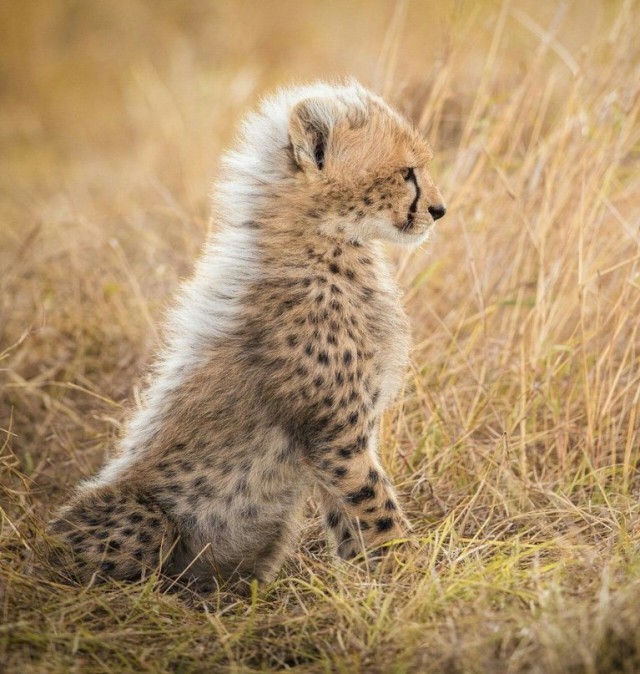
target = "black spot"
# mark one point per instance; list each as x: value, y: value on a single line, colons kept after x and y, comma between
x: 318, y: 382
x: 351, y: 275
x: 302, y: 371
x: 292, y: 340
x: 337, y: 251
x: 242, y: 486
x: 128, y: 531
x: 285, y: 305
x: 345, y: 452
x: 346, y: 536
x: 135, y: 518
x: 333, y: 268
x: 198, y: 482
x: 340, y: 378
x: 308, y: 280
x: 107, y: 567
x: 333, y: 519
x: 309, y: 349
x: 353, y: 418
x: 373, y: 476
x: 347, y: 357
x: 113, y: 546
x: 384, y: 524
x: 361, y: 441
x: 144, y: 537
x: 328, y: 401
x: 335, y: 290
x: 143, y: 500
x: 332, y: 339
x: 390, y: 505
x: 250, y: 511
x: 139, y: 553
x: 323, y: 358
x: 335, y: 305
x: 367, y: 201
x: 366, y: 493
x: 366, y: 293
x: 186, y: 465
x: 340, y: 471
x: 371, y: 509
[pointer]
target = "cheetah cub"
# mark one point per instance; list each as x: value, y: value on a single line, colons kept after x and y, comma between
x: 282, y: 352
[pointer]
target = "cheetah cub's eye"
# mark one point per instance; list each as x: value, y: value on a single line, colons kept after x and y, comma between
x: 407, y: 173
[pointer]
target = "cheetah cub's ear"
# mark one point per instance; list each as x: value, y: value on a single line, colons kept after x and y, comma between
x: 311, y: 122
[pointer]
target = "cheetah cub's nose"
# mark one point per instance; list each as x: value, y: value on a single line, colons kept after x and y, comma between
x: 437, y: 211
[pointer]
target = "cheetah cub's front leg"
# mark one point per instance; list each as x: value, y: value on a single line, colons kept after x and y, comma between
x: 361, y: 510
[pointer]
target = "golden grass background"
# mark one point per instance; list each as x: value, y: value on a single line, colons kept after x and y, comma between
x: 516, y: 443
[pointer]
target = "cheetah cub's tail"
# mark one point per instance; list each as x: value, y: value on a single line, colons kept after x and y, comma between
x: 117, y: 531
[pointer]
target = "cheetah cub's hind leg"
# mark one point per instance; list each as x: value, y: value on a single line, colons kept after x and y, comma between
x: 116, y: 531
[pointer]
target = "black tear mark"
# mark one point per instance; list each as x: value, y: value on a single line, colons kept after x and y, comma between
x: 414, y: 204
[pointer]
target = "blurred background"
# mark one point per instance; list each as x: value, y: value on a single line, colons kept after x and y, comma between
x: 154, y: 89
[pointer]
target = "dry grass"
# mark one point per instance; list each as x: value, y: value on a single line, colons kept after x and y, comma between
x: 516, y: 444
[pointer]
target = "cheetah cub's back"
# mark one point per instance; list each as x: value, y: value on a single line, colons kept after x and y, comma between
x: 282, y: 352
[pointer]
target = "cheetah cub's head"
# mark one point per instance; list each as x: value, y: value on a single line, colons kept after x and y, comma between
x: 364, y: 166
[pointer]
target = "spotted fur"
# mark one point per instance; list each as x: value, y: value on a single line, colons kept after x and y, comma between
x: 283, y: 350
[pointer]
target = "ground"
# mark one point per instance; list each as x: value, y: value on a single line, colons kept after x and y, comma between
x: 516, y: 441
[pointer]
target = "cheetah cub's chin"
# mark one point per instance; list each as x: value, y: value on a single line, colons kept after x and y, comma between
x: 282, y: 352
